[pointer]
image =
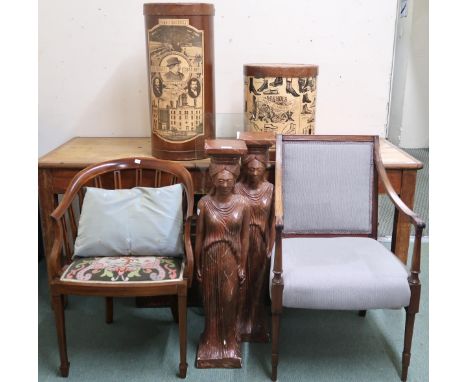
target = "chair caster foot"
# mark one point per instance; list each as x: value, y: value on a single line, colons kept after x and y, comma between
x: 405, y: 366
x: 64, y: 370
x: 182, y: 370
x: 274, y: 373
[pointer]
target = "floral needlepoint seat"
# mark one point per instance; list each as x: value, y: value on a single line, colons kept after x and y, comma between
x: 126, y: 269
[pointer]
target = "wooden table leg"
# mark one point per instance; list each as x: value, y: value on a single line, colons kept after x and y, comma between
x: 48, y: 200
x: 402, y: 226
x: 47, y: 203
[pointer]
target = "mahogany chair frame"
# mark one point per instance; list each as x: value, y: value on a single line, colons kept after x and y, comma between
x: 401, y: 211
x: 117, y: 174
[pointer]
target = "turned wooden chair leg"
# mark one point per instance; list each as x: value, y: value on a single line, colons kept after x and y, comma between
x: 175, y: 309
x: 362, y: 313
x: 276, y: 310
x: 407, y: 346
x: 275, y: 322
x: 58, y: 305
x: 182, y: 301
x: 109, y: 310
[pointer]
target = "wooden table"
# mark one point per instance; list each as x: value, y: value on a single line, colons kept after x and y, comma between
x: 57, y: 168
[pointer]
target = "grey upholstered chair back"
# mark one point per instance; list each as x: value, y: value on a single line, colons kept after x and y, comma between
x: 328, y: 186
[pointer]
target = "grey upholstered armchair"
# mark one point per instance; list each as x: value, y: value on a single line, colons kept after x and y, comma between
x: 326, y: 251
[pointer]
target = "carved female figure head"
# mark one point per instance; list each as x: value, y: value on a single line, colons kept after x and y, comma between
x: 223, y: 177
x: 253, y: 168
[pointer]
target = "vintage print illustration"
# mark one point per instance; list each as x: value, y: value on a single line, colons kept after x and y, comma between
x: 281, y: 105
x: 176, y: 70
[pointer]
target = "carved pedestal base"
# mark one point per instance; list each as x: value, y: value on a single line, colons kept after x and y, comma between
x: 222, y: 363
x: 208, y: 357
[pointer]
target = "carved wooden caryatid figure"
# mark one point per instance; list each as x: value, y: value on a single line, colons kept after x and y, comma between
x: 220, y: 255
x: 254, y: 321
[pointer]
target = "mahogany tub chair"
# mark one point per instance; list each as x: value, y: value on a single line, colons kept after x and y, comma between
x: 326, y: 252
x: 98, y: 193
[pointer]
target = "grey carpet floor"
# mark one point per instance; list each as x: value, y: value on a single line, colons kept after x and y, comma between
x: 421, y: 199
x: 142, y: 344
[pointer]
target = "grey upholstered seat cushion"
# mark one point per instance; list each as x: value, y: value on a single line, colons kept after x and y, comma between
x: 342, y: 273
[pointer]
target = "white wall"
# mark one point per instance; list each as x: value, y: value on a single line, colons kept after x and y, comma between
x: 409, y: 111
x: 92, y: 63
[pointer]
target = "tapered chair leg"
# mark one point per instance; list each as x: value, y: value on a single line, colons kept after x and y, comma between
x: 275, y: 322
x: 411, y: 311
x: 175, y: 309
x: 58, y: 305
x: 276, y: 309
x: 407, y: 346
x: 109, y: 310
x: 182, y: 302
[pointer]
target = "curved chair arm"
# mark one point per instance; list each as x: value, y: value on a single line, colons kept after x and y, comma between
x: 78, y: 181
x: 279, y: 181
x: 188, y: 272
x: 54, y: 258
x: 90, y: 172
x: 402, y: 207
x: 278, y: 261
x: 54, y: 262
x: 55, y: 255
x: 414, y: 218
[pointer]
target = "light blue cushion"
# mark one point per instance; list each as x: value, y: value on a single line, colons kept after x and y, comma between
x: 141, y: 221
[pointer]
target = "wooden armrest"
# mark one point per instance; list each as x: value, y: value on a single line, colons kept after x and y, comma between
x: 54, y: 257
x: 278, y: 260
x: 402, y: 207
x: 416, y: 259
x: 279, y: 222
x: 188, y: 272
x: 279, y: 182
x: 65, y: 203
